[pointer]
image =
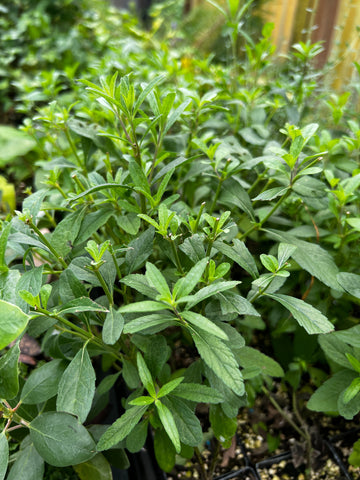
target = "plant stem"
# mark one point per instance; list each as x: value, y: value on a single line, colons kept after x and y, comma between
x: 73, y: 148
x: 176, y: 255
x: 46, y: 243
x: 201, y: 464
x: 283, y: 413
x: 257, y: 226
x: 104, y: 287
x: 214, y: 460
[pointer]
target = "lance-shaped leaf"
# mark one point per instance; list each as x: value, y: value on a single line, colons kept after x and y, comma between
x: 207, y: 292
x: 204, y: 323
x: 306, y: 315
x: 169, y: 424
x: 13, y: 321
x: 145, y: 375
x: 187, y: 423
x: 61, y: 440
x: 219, y: 358
x: 157, y: 280
x: 4, y: 455
x: 77, y: 386
x: 113, y: 326
x: 79, y: 305
x: 121, y: 428
x: 9, y: 376
x: 240, y: 254
x: 187, y: 284
x: 198, y: 393
x: 156, y: 320
x: 145, y: 306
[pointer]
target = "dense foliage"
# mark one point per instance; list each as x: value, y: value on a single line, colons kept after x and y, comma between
x: 189, y: 231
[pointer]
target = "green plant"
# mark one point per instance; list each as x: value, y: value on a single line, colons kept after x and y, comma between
x: 171, y: 214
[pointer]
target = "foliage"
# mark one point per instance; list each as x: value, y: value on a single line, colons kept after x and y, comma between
x: 177, y: 207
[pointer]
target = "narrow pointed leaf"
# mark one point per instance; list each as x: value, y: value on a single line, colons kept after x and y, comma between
x: 220, y: 359
x: 207, y: 292
x: 121, y: 428
x: 157, y: 280
x: 145, y: 375
x: 169, y: 387
x: 187, y: 284
x: 113, y: 326
x: 77, y: 386
x: 306, y: 315
x: 145, y: 306
x: 43, y: 382
x: 197, y: 393
x: 204, y: 323
x: 4, y: 455
x: 169, y: 424
x: 9, y: 375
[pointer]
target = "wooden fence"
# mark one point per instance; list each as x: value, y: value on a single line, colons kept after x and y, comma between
x: 334, y: 22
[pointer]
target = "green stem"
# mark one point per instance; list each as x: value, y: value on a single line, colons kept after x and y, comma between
x: 283, y: 413
x: 196, y: 226
x: 257, y: 226
x: 104, y: 286
x: 46, y: 243
x: 73, y: 148
x: 117, y: 268
x: 176, y: 255
x: 201, y: 463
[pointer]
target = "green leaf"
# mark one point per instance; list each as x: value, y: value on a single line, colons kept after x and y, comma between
x: 234, y: 195
x: 355, y: 363
x: 28, y: 465
x: 187, y: 284
x: 113, y: 327
x: 3, y: 242
x: 138, y: 177
x: 354, y: 222
x: 219, y: 358
x: 232, y: 302
x: 197, y: 393
x: 136, y: 439
x: 169, y: 424
x: 142, y: 400
x: 70, y: 287
x: 66, y: 232
x: 352, y: 390
x: 207, y: 292
x: 224, y: 428
x: 157, y: 280
x: 269, y: 262
x: 187, y: 423
x: 159, y: 320
x: 139, y: 283
x: 130, y: 223
x: 92, y: 222
x: 97, y: 468
x: 271, y: 194
x: 61, y: 440
x: 107, y: 383
x: 354, y: 458
x: 165, y: 453
x: 149, y: 87
x: 9, y: 375
x: 335, y: 349
x: 325, y: 398
x: 77, y: 386
x: 169, y: 387
x: 12, y: 323
x: 239, y: 254
x: 312, y: 258
x: 306, y: 315
x: 4, y: 455
x: 79, y: 305
x: 14, y: 143
x: 121, y: 428
x: 284, y: 252
x: 43, y: 382
x: 139, y: 250
x: 157, y: 352
x: 145, y: 375
x: 249, y: 358
x: 145, y: 306
x: 350, y: 283
x: 204, y: 323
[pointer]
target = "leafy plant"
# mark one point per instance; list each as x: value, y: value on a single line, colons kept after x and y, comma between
x: 173, y: 218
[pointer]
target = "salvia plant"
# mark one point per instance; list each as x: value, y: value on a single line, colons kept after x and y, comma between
x: 177, y: 214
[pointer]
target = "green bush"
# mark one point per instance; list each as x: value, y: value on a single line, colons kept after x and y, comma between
x: 178, y: 208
